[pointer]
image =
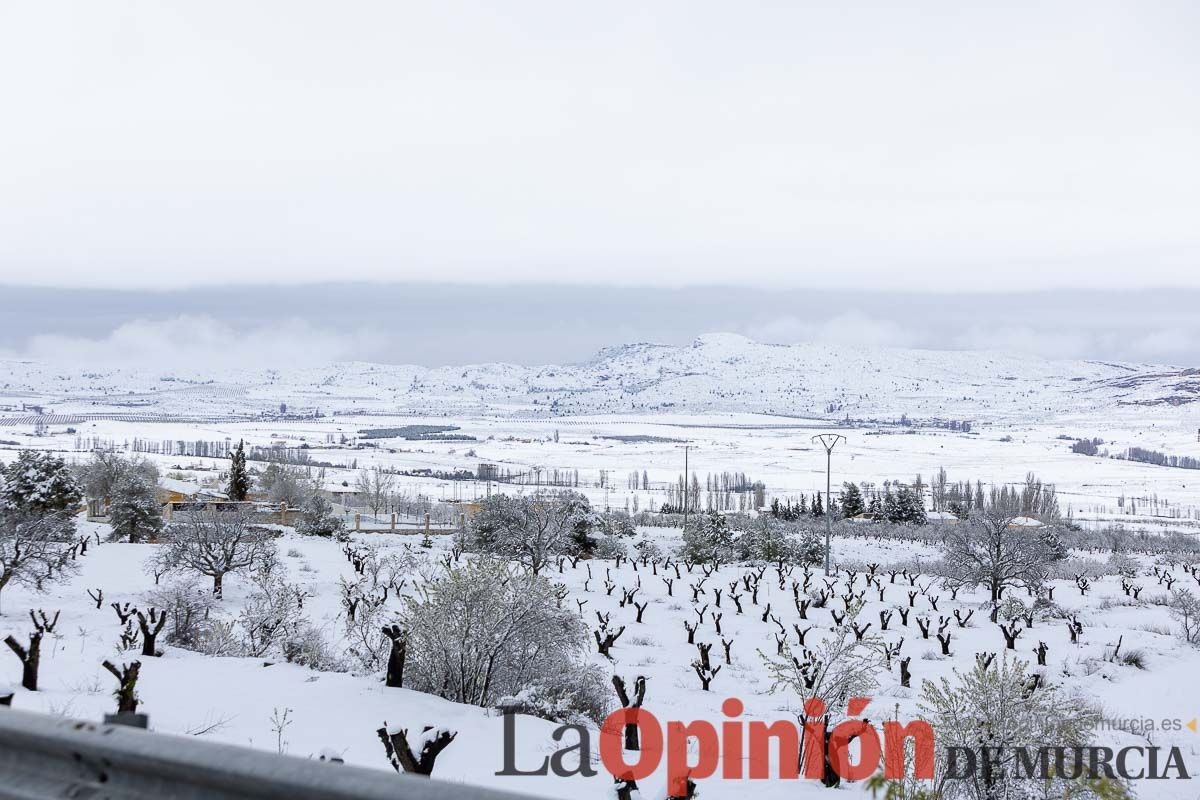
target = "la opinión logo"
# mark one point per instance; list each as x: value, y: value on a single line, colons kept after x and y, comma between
x: 729, y: 747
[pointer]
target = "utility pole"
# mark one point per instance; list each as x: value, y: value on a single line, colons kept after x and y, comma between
x: 828, y: 441
x: 685, y: 486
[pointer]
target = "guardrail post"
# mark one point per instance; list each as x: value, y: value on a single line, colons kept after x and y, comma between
x: 128, y: 720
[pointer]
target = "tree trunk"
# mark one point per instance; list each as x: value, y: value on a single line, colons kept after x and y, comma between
x: 396, y: 658
x: 403, y: 759
x: 30, y: 659
x: 150, y: 631
x: 126, y: 694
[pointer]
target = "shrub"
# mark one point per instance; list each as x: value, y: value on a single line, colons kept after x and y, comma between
x: 486, y: 630
x: 1135, y: 658
x: 579, y: 697
x: 187, y: 606
x: 1185, y: 608
x: 995, y: 707
x: 609, y: 547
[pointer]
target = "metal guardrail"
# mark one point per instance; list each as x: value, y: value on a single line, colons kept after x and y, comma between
x: 52, y: 757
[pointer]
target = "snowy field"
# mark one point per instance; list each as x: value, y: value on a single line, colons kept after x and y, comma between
x: 281, y: 707
x: 776, y: 451
x: 305, y: 712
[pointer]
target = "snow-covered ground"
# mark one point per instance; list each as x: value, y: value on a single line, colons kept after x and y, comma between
x: 244, y: 700
x: 737, y: 407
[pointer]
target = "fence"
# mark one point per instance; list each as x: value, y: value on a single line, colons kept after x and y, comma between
x: 43, y: 756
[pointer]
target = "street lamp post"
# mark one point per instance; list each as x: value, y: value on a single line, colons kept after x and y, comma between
x: 828, y: 441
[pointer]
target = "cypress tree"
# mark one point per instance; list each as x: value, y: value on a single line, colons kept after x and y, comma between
x: 239, y: 480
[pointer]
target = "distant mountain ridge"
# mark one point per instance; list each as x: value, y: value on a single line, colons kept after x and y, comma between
x: 718, y: 372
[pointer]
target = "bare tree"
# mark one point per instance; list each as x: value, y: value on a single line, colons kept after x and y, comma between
x: 374, y: 487
x: 532, y: 530
x: 288, y: 484
x: 35, y: 550
x: 31, y: 656
x: 840, y: 667
x: 100, y: 474
x: 989, y: 550
x: 1184, y: 607
x: 214, y: 544
x: 401, y: 756
x: 126, y: 692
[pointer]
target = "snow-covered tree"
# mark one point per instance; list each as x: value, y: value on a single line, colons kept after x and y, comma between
x: 839, y: 667
x: 989, y: 550
x: 101, y: 473
x: 317, y: 518
x: 533, y: 529
x: 283, y: 483
x: 905, y: 507
x: 187, y: 606
x: 239, y: 479
x: 707, y: 538
x: 647, y: 548
x: 213, y: 544
x: 487, y: 630
x: 1003, y: 707
x: 39, y: 483
x: 852, y: 501
x: 616, y: 523
x: 767, y: 539
x: 134, y: 510
x: 1185, y: 608
x: 810, y: 547
x: 35, y: 549
x: 374, y: 487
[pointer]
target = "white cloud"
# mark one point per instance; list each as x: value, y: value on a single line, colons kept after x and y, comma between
x: 201, y: 342
x: 850, y: 328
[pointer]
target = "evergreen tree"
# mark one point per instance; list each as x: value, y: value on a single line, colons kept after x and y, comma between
x: 907, y: 508
x: 852, y: 501
x: 707, y: 538
x: 135, y: 512
x: 875, y: 507
x: 811, y: 547
x: 1056, y: 549
x: 39, y: 483
x: 766, y: 540
x: 817, y: 508
x: 239, y: 480
x: 583, y: 543
x: 317, y: 518
x: 889, y: 512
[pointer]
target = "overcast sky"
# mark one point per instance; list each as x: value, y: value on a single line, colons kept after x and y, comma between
x: 919, y: 145
x: 436, y: 324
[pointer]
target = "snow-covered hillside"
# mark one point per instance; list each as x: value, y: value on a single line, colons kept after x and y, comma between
x: 716, y: 373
